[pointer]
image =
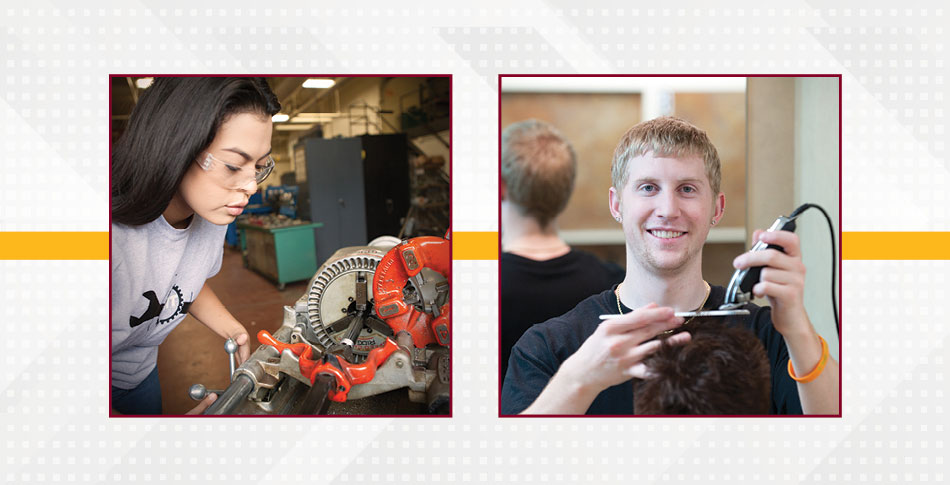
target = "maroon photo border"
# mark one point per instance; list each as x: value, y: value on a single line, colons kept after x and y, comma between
x: 838, y: 255
x: 451, y: 186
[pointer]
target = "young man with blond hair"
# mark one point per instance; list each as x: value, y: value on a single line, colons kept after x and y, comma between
x: 665, y: 194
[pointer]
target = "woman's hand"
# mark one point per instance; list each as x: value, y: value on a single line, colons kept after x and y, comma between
x: 207, y: 308
x: 203, y: 405
x: 241, y: 338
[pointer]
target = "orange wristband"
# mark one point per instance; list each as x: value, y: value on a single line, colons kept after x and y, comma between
x: 818, y: 368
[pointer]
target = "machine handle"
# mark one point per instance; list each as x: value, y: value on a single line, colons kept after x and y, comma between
x: 363, y: 373
x: 300, y: 349
x: 346, y: 374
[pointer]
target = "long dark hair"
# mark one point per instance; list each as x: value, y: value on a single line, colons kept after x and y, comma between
x: 175, y: 119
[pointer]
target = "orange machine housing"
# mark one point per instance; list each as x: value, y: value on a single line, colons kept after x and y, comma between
x: 393, y: 273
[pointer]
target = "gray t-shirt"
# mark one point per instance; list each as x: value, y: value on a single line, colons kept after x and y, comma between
x: 157, y: 271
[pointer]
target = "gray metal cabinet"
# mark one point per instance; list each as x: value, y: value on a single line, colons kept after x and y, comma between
x: 358, y: 188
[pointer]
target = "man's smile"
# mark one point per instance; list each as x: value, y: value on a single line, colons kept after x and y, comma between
x: 666, y: 234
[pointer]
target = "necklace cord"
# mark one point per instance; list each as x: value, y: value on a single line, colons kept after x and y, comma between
x: 701, y: 305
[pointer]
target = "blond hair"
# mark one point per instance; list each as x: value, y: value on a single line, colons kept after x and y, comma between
x: 538, y: 167
x: 665, y: 137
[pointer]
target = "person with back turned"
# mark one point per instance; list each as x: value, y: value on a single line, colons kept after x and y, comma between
x: 541, y: 276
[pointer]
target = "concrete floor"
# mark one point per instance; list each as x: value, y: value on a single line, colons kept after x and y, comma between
x: 193, y: 354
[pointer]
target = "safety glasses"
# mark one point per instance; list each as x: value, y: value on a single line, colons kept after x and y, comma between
x: 233, y: 176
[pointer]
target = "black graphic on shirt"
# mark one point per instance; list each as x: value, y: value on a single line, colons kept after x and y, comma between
x: 154, y: 309
x: 174, y: 306
x: 176, y: 303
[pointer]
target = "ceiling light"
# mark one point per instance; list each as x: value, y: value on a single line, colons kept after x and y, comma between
x: 144, y: 82
x: 293, y: 127
x: 318, y: 83
x: 314, y: 117
x: 280, y: 118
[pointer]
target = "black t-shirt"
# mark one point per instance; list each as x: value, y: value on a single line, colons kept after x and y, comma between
x: 542, y: 349
x: 535, y: 291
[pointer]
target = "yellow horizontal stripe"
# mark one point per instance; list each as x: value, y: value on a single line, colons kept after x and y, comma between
x: 54, y: 245
x: 896, y: 245
x: 474, y: 245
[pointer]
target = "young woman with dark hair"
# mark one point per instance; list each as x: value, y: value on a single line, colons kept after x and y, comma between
x: 195, y: 150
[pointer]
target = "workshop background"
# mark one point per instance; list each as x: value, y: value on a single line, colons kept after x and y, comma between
x: 378, y: 154
x: 777, y: 139
x: 54, y: 118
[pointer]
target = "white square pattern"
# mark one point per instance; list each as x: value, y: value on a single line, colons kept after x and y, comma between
x: 54, y: 113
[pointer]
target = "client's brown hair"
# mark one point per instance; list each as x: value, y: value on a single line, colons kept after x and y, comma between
x: 722, y: 370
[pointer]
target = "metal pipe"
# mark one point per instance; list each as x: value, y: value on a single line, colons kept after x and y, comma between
x: 317, y: 400
x: 233, y: 396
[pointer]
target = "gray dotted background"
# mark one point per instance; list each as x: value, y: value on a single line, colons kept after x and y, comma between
x: 54, y: 116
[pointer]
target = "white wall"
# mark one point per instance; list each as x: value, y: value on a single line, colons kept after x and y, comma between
x: 816, y: 181
x: 355, y: 91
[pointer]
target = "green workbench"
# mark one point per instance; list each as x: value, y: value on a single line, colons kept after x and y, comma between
x: 281, y: 254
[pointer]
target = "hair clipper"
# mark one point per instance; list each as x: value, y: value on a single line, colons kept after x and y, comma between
x: 739, y: 291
